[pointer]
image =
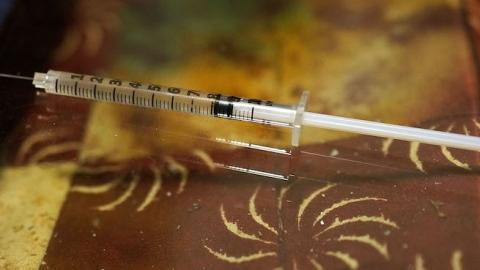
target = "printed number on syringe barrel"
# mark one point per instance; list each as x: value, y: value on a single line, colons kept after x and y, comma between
x: 166, y: 98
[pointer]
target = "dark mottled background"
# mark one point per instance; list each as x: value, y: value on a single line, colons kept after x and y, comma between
x: 114, y: 187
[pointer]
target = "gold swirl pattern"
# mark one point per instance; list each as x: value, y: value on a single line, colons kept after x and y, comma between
x: 314, y: 259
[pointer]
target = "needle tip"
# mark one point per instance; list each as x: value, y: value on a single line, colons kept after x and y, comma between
x: 11, y: 76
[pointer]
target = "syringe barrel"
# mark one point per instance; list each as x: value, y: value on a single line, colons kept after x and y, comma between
x: 166, y: 98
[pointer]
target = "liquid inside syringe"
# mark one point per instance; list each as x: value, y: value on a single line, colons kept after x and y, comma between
x: 161, y: 97
x: 231, y: 107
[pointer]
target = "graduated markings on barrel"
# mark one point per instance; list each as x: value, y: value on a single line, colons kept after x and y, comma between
x: 154, y: 96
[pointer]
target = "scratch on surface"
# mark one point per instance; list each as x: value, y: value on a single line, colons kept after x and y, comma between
x: 413, y: 155
x: 174, y: 166
x: 419, y: 262
x: 111, y: 206
x: 207, y: 160
x: 465, y: 130
x: 376, y: 219
x: 306, y: 202
x: 344, y: 203
x: 241, y: 259
x: 315, y: 264
x: 257, y: 217
x: 97, y: 189
x: 283, y: 191
x: 345, y: 258
x: 477, y: 124
x: 233, y: 228
x: 40, y: 136
x: 386, y: 146
x: 456, y: 260
x: 368, y: 240
x: 294, y: 264
x: 437, y: 205
x: 156, y: 186
x: 54, y: 150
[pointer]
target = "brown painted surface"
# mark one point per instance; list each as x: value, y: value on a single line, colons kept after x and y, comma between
x: 142, y: 199
x: 432, y: 214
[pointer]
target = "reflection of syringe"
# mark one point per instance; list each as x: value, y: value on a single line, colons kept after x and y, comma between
x: 231, y: 107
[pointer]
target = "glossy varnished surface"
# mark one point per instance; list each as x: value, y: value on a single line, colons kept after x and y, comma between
x: 141, y: 190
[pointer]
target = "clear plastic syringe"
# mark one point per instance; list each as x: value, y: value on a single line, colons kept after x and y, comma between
x: 231, y: 107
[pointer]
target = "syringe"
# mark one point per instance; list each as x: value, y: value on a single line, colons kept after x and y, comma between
x: 232, y: 107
